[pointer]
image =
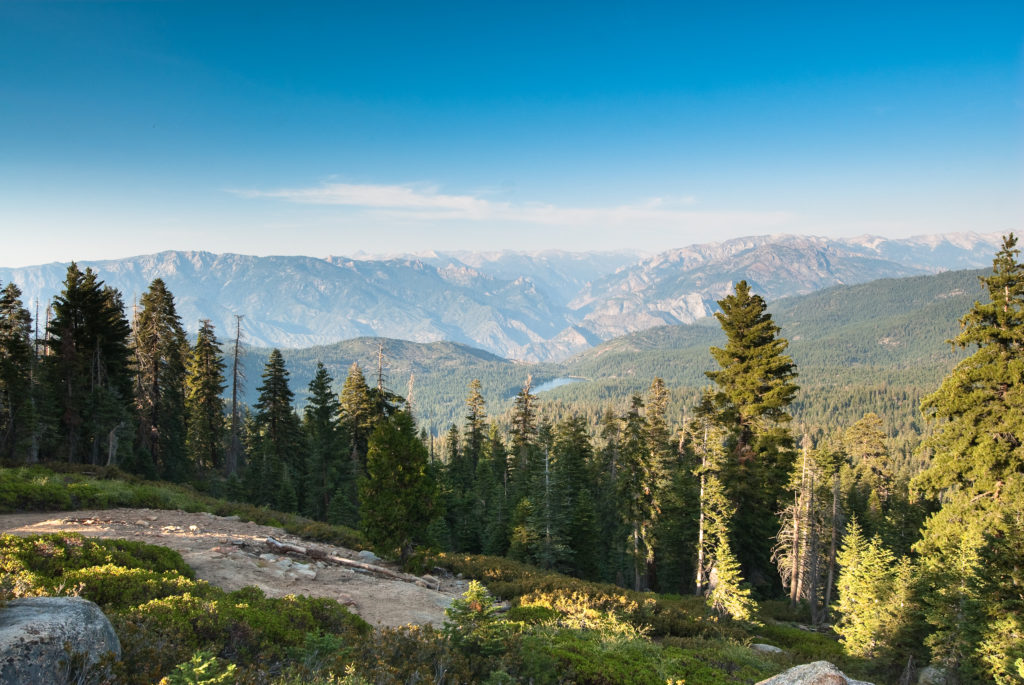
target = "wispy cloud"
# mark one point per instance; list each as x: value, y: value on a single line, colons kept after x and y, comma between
x: 376, y: 196
x: 425, y: 203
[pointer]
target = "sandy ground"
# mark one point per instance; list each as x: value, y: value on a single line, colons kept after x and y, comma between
x: 231, y: 554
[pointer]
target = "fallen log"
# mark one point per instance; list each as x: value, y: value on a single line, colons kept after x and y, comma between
x: 341, y: 561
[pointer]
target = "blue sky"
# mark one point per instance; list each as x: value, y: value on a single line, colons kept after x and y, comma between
x: 329, y: 128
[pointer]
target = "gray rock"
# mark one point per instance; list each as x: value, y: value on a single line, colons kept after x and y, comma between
x: 932, y: 675
x: 817, y: 673
x: 368, y: 556
x: 304, y: 571
x: 766, y: 649
x: 35, y: 630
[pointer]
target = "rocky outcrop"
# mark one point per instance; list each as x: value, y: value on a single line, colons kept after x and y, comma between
x: 766, y: 649
x: 44, y: 639
x: 817, y: 673
x: 932, y: 675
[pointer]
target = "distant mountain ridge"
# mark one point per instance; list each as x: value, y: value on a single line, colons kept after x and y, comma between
x: 540, y: 306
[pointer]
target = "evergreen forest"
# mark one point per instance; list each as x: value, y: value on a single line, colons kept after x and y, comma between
x: 733, y: 464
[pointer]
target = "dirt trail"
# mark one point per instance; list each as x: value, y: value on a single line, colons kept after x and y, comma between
x: 231, y: 554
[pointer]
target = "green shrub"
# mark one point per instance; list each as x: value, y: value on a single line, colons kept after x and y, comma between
x: 244, y: 627
x: 44, y: 559
x: 202, y: 669
x: 116, y: 587
x: 513, y: 580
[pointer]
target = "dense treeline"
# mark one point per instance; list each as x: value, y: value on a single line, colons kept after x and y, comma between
x: 737, y: 503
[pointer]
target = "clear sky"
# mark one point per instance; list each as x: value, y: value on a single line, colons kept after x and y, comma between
x: 327, y: 128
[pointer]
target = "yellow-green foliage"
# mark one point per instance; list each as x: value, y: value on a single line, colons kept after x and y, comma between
x: 662, y: 615
x: 162, y: 615
x: 43, y: 561
x: 202, y: 669
x: 243, y: 627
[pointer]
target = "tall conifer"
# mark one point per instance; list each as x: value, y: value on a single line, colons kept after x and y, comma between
x: 329, y: 468
x: 397, y: 496
x: 160, y: 352
x: 204, y: 406
x: 87, y: 371
x: 277, y: 468
x: 17, y: 359
x: 755, y: 388
x: 977, y: 469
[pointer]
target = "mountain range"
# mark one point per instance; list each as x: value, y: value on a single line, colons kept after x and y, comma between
x: 542, y: 306
x: 878, y: 346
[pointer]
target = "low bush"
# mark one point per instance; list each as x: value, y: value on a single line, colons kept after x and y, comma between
x: 163, y: 616
x: 663, y: 615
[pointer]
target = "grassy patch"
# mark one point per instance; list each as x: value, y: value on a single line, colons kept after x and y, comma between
x: 41, y: 488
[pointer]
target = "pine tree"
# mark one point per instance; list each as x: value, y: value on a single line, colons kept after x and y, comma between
x: 977, y: 468
x: 493, y: 495
x: 160, y: 352
x: 87, y: 370
x: 204, y: 406
x: 457, y: 495
x: 876, y: 605
x: 523, y: 440
x: 329, y: 468
x: 573, y: 501
x: 638, y: 491
x: 397, y: 497
x: 728, y: 597
x: 476, y: 424
x: 359, y: 415
x: 873, y: 479
x: 612, y: 533
x: 755, y: 383
x: 276, y: 467
x: 17, y: 392
x: 234, y: 451
x: 706, y: 440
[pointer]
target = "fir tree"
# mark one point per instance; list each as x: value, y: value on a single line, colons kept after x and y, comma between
x: 457, y: 493
x: 160, y: 352
x: 204, y: 407
x: 87, y: 370
x: 476, y: 424
x: 276, y: 467
x: 605, y: 478
x: 706, y: 440
x: 574, y: 503
x: 329, y: 469
x: 359, y: 415
x: 234, y: 451
x: 977, y: 468
x: 876, y: 605
x: 755, y: 383
x: 728, y: 597
x: 397, y: 496
x: 17, y: 392
x: 638, y: 490
x: 873, y: 479
x: 493, y: 495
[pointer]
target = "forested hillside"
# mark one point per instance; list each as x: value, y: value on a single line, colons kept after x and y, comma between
x: 762, y: 455
x: 875, y: 347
